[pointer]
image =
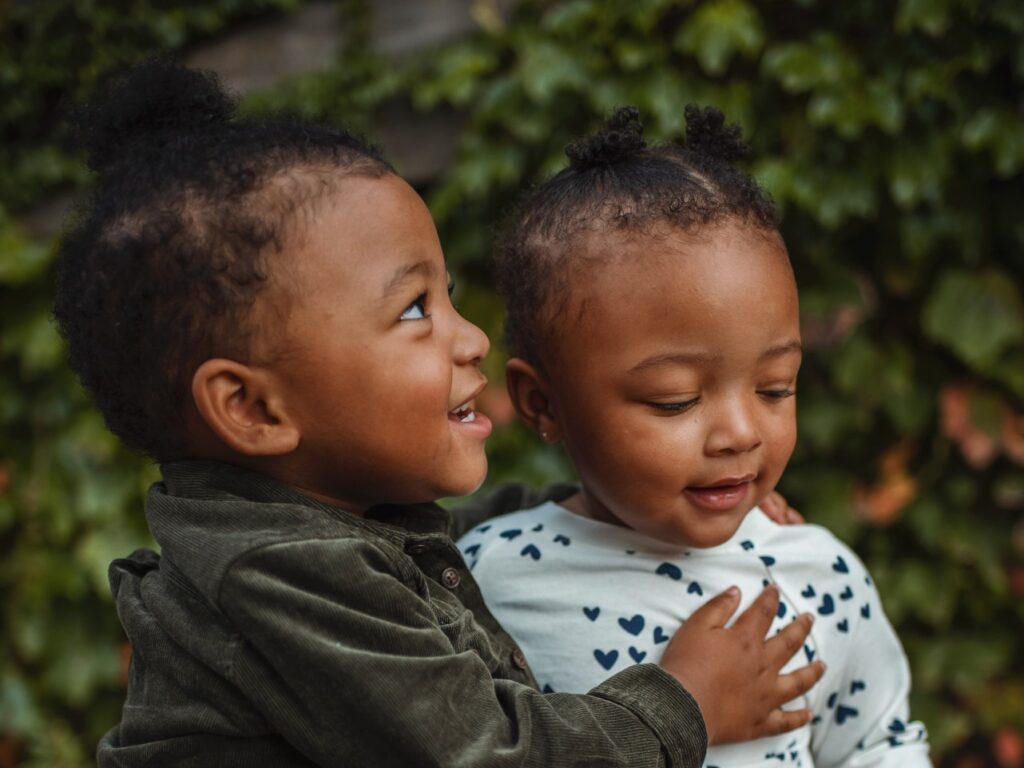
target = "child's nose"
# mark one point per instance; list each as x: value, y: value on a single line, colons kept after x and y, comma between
x: 733, y: 429
x: 471, y: 343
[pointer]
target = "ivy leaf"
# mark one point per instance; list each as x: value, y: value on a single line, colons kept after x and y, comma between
x: 930, y: 16
x: 21, y: 258
x: 977, y: 315
x: 546, y: 68
x: 801, y: 67
x: 1001, y: 132
x: 720, y: 30
x: 35, y: 338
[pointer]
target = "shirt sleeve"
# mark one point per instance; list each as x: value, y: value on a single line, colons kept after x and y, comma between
x: 866, y: 721
x: 349, y: 664
x: 508, y: 497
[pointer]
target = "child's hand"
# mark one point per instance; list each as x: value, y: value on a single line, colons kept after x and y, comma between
x: 778, y: 509
x: 734, y: 673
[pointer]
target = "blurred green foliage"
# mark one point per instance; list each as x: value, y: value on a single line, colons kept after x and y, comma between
x: 890, y: 133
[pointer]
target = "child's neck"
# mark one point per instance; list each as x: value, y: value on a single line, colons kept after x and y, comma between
x: 582, y: 505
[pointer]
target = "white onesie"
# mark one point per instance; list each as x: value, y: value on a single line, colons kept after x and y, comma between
x: 585, y: 599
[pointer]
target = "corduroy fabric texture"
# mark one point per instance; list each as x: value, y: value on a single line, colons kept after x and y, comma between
x: 275, y: 630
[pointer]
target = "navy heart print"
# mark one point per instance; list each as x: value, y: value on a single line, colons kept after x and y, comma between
x: 531, y: 550
x: 606, y: 660
x: 672, y: 571
x: 634, y: 625
x: 827, y: 605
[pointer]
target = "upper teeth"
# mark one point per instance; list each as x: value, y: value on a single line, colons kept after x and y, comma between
x: 465, y: 412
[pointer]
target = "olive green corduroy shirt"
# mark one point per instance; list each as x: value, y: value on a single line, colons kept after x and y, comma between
x: 274, y: 630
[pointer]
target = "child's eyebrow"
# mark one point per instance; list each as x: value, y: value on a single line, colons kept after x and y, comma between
x: 406, y: 271
x: 785, y: 348
x: 675, y: 358
x: 704, y: 358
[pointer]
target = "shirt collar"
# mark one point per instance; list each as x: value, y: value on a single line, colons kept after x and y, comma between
x: 211, y: 479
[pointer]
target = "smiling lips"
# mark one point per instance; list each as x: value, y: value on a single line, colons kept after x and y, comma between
x: 463, y: 413
x: 722, y: 494
x: 470, y: 420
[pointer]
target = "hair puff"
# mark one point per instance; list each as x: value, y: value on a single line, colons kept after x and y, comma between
x: 621, y: 136
x: 708, y: 135
x: 156, y: 98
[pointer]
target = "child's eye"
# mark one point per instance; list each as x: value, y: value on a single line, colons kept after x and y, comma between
x: 679, y: 407
x: 417, y: 310
x: 776, y: 394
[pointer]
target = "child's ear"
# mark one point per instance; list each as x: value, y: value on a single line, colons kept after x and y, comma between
x: 530, y: 395
x: 240, y: 405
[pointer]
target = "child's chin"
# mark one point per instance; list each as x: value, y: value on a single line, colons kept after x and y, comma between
x: 469, y: 481
x: 705, y: 539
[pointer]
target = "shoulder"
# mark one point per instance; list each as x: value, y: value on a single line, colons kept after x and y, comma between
x: 532, y: 535
x: 524, y: 517
x: 335, y: 567
x: 324, y: 553
x: 209, y: 538
x: 821, y: 574
x: 812, y: 546
x: 511, y: 526
x: 824, y: 569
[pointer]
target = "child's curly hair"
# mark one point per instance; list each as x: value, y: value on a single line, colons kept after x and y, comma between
x: 615, y: 180
x: 189, y: 217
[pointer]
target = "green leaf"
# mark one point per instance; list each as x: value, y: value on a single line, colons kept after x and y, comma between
x: 825, y: 421
x: 1001, y: 132
x: 21, y: 258
x: 18, y: 710
x: 546, y: 69
x: 978, y: 315
x: 930, y: 16
x: 35, y: 338
x: 720, y: 30
x: 805, y: 66
x: 856, y: 368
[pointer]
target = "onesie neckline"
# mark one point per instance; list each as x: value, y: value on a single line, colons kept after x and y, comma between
x: 755, y: 526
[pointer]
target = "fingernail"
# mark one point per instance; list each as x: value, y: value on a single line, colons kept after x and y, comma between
x: 810, y: 618
x: 733, y: 591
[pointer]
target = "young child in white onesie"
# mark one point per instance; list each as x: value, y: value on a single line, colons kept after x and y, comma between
x: 654, y: 323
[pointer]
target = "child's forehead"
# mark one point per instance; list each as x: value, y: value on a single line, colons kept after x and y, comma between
x: 708, y: 285
x: 628, y: 256
x: 369, y: 221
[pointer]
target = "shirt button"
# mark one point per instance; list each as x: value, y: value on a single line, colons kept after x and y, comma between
x: 519, y: 658
x: 450, y: 578
x: 416, y: 549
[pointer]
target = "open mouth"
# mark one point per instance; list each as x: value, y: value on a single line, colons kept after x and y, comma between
x: 464, y: 413
x: 723, y: 494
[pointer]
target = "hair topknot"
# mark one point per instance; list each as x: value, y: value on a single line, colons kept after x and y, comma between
x: 156, y: 97
x: 621, y: 136
x: 707, y: 134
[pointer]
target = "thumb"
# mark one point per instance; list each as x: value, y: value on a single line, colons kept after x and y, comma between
x: 717, y: 611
